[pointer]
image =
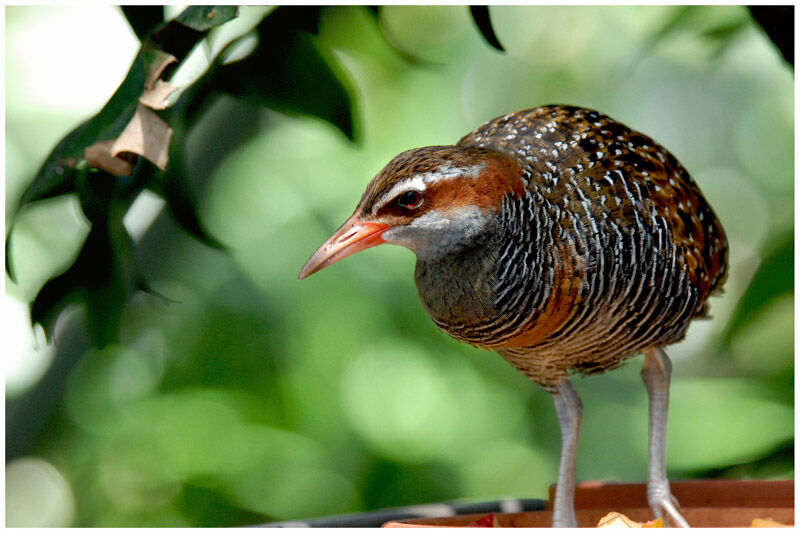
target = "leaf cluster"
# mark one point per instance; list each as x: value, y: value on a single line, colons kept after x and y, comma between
x: 285, y: 72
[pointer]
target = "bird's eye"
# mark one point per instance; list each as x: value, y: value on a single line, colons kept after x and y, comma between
x: 410, y: 200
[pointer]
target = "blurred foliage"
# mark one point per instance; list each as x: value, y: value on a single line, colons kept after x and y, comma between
x: 105, y: 274
x: 773, y: 279
x: 243, y: 396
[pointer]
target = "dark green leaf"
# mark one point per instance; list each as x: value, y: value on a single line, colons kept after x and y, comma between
x: 101, y: 278
x: 480, y: 14
x: 774, y: 277
x: 203, y: 18
x: 55, y: 176
x: 173, y: 38
x: 104, y: 275
x: 143, y: 19
x: 54, y: 297
x: 111, y: 262
x: 286, y: 72
x: 62, y: 181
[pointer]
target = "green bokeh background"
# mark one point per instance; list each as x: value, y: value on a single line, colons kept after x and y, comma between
x: 255, y: 397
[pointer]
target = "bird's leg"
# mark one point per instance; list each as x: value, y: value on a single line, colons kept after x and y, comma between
x: 656, y: 375
x: 569, y: 410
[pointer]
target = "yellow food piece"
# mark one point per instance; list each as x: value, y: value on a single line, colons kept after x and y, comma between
x: 615, y: 519
x: 766, y: 522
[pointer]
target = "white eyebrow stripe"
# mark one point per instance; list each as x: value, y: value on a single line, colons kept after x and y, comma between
x: 418, y: 182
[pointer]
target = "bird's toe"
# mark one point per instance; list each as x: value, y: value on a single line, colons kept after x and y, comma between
x: 666, y: 507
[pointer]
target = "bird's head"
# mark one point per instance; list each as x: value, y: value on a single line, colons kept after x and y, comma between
x: 431, y: 200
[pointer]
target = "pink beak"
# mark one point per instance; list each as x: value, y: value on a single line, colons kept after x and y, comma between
x: 354, y: 236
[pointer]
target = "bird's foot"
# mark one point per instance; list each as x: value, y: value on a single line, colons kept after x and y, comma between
x: 665, y: 506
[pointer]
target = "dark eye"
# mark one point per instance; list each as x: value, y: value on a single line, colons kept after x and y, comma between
x: 410, y: 200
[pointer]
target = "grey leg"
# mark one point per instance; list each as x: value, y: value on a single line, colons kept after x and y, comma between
x: 569, y: 410
x: 656, y: 375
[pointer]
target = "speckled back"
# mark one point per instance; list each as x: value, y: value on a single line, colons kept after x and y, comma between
x: 612, y: 249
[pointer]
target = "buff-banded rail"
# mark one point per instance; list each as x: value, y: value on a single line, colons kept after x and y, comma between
x: 561, y: 239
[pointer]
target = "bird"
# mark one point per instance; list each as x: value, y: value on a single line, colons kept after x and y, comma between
x: 563, y: 240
